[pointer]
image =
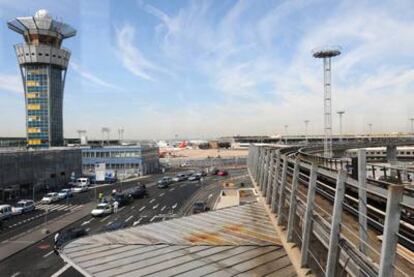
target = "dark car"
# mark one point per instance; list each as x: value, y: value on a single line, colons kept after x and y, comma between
x: 123, y: 198
x: 114, y: 226
x: 138, y: 191
x: 70, y: 234
x: 194, y: 177
x: 200, y: 207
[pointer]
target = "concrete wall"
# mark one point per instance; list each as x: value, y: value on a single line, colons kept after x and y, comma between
x: 21, y: 170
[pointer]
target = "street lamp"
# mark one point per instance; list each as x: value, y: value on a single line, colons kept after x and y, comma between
x: 340, y: 113
x: 306, y: 131
x: 286, y: 133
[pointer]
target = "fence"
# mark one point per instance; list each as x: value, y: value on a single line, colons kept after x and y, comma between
x: 339, y: 233
x: 207, y: 162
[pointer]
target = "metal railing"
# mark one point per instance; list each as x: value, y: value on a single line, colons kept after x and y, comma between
x: 337, y: 231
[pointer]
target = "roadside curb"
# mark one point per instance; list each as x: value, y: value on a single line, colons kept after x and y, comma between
x: 22, y: 241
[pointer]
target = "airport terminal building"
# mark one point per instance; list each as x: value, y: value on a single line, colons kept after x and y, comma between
x: 122, y: 160
x: 22, y: 170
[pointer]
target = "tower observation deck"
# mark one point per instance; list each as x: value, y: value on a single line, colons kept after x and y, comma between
x: 43, y: 65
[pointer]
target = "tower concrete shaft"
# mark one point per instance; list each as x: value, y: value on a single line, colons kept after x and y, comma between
x: 43, y: 64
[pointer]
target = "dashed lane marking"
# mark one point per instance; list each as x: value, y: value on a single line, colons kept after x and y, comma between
x: 15, y: 274
x: 174, y: 206
x: 172, y: 189
x: 109, y: 223
x: 152, y: 200
x: 156, y: 206
x: 129, y: 218
x: 142, y: 208
x: 152, y: 218
x: 162, y: 194
x: 48, y: 254
x: 163, y: 208
x: 137, y: 222
x: 105, y: 218
x: 133, y: 207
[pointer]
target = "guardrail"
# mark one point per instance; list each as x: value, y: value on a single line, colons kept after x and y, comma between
x: 336, y: 231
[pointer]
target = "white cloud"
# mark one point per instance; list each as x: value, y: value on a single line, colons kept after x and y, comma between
x: 132, y: 58
x: 91, y: 77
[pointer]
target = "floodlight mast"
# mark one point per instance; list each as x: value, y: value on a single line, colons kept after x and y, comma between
x: 326, y: 54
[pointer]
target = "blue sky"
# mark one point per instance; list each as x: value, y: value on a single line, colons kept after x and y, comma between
x: 215, y: 68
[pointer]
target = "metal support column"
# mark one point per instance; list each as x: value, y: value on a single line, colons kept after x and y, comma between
x: 362, y: 197
x: 282, y: 191
x: 333, y: 249
x: 275, y: 184
x: 391, y: 227
x: 307, y: 225
x: 292, y: 207
x: 270, y: 176
x: 267, y: 169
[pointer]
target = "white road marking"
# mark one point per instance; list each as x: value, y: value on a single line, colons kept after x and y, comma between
x: 120, y: 209
x: 163, y: 208
x: 162, y: 194
x: 48, y: 254
x: 105, y: 218
x: 87, y: 222
x: 156, y: 206
x: 129, y: 218
x: 16, y: 274
x: 137, y: 222
x: 183, y: 185
x: 152, y: 200
x: 133, y: 207
x: 174, y: 206
x: 142, y: 209
x: 210, y: 195
x: 87, y: 229
x: 152, y: 218
x: 172, y: 189
x: 109, y: 223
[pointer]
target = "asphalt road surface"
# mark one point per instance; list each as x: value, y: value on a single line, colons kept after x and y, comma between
x: 161, y: 204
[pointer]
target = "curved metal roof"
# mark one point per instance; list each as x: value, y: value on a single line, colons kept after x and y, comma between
x: 41, y: 22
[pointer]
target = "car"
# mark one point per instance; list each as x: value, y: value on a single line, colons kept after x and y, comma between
x: 123, y: 198
x: 200, y: 207
x: 83, y: 181
x: 80, y: 188
x: 49, y: 198
x: 164, y: 182
x: 102, y: 209
x: 68, y: 235
x: 113, y: 226
x: 5, y: 211
x: 23, y: 206
x: 222, y: 173
x: 194, y: 177
x: 180, y: 177
x: 214, y: 171
x: 65, y: 193
x: 138, y: 191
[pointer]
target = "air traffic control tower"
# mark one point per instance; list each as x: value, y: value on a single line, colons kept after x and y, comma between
x: 43, y: 65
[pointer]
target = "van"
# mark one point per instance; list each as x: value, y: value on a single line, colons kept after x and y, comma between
x: 5, y: 211
x: 82, y: 181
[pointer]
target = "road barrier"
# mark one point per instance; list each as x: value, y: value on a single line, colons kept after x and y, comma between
x: 335, y: 228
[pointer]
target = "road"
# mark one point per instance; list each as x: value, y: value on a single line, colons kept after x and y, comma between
x: 161, y: 204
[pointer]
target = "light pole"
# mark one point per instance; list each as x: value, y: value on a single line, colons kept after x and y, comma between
x: 370, y: 130
x: 306, y: 130
x: 340, y: 113
x: 412, y: 125
x: 286, y: 133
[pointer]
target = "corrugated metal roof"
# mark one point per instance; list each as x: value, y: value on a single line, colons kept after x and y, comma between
x: 235, y: 241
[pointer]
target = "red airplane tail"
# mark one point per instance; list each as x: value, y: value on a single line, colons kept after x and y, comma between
x: 183, y: 144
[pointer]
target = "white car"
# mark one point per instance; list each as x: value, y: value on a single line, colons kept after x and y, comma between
x: 50, y: 198
x: 65, y: 193
x: 102, y: 209
x: 24, y: 206
x: 80, y: 188
x: 5, y: 211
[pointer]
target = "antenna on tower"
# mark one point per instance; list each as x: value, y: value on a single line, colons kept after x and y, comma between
x: 326, y: 53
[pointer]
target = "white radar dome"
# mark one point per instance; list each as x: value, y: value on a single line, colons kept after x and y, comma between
x: 42, y: 14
